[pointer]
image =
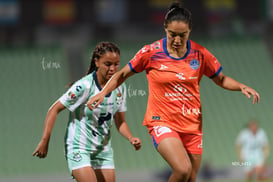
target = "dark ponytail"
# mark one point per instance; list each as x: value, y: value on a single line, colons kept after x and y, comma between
x: 100, y: 49
x: 177, y: 13
x: 175, y: 5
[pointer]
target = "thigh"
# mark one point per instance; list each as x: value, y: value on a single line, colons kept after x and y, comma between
x: 192, y: 143
x: 105, y: 175
x: 79, y: 164
x: 170, y: 146
x: 84, y: 174
x: 251, y: 162
x: 159, y: 133
x: 103, y: 159
x: 78, y: 160
x: 173, y: 151
x: 195, y: 162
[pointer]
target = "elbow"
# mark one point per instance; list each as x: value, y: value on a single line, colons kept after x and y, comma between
x: 55, y: 108
x: 221, y: 81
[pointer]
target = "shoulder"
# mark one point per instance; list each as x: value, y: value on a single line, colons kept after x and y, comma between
x: 157, y: 45
x: 87, y: 80
x: 149, y: 49
x: 122, y: 87
x: 244, y: 133
x: 206, y: 54
x: 81, y: 85
x: 196, y: 46
x: 262, y: 132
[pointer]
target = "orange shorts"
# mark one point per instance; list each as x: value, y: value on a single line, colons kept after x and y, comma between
x: 191, y: 142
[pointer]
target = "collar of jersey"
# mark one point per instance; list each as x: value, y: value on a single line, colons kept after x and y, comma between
x: 97, y: 83
x: 167, y: 53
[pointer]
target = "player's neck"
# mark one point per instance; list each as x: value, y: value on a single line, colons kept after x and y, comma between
x: 102, y: 82
x: 177, y: 53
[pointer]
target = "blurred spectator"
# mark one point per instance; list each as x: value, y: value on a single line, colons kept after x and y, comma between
x: 252, y: 148
x: 220, y: 16
x: 57, y: 12
x: 270, y: 10
x: 109, y: 14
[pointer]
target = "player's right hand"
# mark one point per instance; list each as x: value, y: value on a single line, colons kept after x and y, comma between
x: 41, y: 150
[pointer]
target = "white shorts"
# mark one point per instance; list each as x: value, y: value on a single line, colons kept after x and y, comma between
x: 99, y: 160
x: 251, y: 162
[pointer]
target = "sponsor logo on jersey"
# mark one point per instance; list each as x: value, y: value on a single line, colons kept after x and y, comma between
x: 119, y: 98
x: 159, y: 130
x: 180, y: 88
x: 194, y: 64
x: 181, y: 93
x: 200, y: 145
x: 144, y: 49
x: 156, y: 117
x: 157, y: 45
x: 180, y: 76
x: 78, y: 88
x: 163, y: 67
x: 215, y: 60
x: 72, y: 95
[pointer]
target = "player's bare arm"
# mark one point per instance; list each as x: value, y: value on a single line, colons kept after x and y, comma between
x: 229, y: 83
x: 116, y: 80
x: 42, y: 148
x: 124, y: 130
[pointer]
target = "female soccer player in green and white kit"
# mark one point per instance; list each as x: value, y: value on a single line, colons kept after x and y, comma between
x: 88, y: 147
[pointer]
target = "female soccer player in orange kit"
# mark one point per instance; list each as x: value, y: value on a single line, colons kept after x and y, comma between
x: 174, y: 67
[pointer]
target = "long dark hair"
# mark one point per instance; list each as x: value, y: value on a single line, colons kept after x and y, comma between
x: 100, y: 49
x: 177, y: 12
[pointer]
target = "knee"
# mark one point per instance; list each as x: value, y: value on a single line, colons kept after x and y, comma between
x: 183, y: 172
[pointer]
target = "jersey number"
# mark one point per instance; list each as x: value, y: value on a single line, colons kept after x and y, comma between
x: 104, y: 117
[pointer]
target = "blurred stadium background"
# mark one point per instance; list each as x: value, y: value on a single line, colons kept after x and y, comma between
x: 46, y: 44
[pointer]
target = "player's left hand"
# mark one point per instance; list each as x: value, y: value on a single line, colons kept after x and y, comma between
x: 95, y: 101
x: 136, y: 142
x: 247, y: 91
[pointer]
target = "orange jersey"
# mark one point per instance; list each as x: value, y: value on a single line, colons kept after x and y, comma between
x: 174, y: 97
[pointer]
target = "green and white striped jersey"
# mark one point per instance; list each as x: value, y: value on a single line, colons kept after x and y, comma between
x: 252, y: 145
x: 87, y: 130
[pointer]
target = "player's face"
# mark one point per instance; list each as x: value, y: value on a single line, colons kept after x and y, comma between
x: 107, y: 65
x: 177, y: 34
x: 253, y: 127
